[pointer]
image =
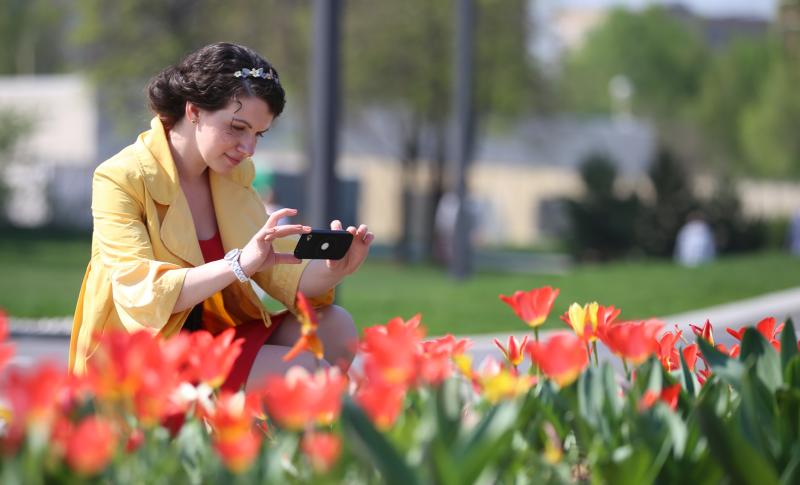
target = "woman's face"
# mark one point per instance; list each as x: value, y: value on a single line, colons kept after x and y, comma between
x: 228, y: 136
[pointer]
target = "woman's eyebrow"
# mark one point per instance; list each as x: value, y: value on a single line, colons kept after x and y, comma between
x: 243, y: 121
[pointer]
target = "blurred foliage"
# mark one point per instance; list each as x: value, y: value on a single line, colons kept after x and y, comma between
x: 662, y: 59
x: 602, y: 223
x: 31, y: 36
x: 399, y: 55
x: 606, y: 225
x: 660, y: 221
x: 733, y: 82
x: 769, y: 126
x: 13, y: 127
x: 740, y: 98
x: 126, y: 42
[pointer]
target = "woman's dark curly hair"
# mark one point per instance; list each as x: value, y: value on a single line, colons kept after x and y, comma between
x: 206, y: 78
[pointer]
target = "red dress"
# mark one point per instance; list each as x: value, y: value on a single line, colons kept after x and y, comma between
x: 254, y: 333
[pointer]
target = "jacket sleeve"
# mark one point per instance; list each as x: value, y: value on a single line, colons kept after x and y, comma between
x: 144, y: 290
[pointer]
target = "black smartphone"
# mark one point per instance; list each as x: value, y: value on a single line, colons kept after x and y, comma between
x: 323, y: 244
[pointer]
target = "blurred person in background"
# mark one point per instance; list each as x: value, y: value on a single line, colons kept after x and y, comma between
x: 179, y: 230
x: 695, y: 242
x: 793, y: 235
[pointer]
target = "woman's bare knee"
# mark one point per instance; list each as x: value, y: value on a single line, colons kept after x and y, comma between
x: 269, y: 361
x: 339, y: 335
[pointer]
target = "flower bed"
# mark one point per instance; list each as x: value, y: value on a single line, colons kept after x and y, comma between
x: 417, y: 411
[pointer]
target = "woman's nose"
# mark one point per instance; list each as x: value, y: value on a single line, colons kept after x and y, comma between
x: 247, y: 146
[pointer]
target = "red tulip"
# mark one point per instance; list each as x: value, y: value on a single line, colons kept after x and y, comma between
x: 308, y: 340
x: 690, y: 353
x: 203, y: 358
x: 91, y: 446
x: 532, y: 307
x: 133, y: 371
x: 234, y: 438
x: 669, y: 395
x: 705, y: 332
x: 633, y: 341
x: 765, y: 327
x: 562, y: 358
x: 6, y: 349
x: 391, y: 352
x: 435, y: 361
x: 667, y: 353
x: 299, y: 398
x: 381, y: 402
x: 514, y: 352
x: 322, y: 450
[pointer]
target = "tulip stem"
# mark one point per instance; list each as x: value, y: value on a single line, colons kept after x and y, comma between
x: 594, y: 349
x: 627, y: 371
x: 536, y: 334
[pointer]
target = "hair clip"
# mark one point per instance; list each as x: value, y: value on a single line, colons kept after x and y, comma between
x: 258, y: 73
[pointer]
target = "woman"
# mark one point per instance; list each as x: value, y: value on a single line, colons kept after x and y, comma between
x: 179, y: 231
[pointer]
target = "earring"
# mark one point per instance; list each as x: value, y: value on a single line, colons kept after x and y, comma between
x: 194, y: 121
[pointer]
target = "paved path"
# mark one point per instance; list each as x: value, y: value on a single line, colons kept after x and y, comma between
x: 51, y: 340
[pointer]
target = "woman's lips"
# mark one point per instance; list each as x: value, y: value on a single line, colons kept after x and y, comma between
x: 233, y: 161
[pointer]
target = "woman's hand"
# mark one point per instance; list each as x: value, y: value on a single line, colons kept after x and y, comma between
x: 259, y: 254
x: 357, y: 253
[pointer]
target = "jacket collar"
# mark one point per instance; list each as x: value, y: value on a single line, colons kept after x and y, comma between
x: 160, y: 173
x: 161, y: 180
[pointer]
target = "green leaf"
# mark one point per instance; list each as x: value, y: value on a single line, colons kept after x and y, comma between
x: 788, y: 344
x: 372, y: 447
x: 791, y: 474
x: 677, y: 428
x: 788, y: 401
x: 791, y: 373
x: 611, y: 389
x: 729, y: 370
x: 448, y: 404
x: 192, y: 444
x: 690, y: 382
x: 628, y: 465
x: 740, y: 461
x: 755, y: 347
x: 490, y: 439
x: 757, y: 410
x: 448, y: 410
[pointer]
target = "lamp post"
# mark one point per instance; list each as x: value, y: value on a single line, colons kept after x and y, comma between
x: 460, y: 266
x: 324, y: 112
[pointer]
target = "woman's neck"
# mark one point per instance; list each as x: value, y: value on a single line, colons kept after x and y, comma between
x: 188, y: 161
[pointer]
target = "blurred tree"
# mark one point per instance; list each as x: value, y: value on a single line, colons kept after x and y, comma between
x: 398, y: 56
x: 674, y: 199
x: 603, y: 224
x: 662, y: 59
x: 126, y: 42
x: 13, y: 126
x: 769, y: 125
x: 732, y: 230
x: 32, y: 34
x: 732, y: 83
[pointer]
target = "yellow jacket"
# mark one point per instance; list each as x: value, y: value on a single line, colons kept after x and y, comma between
x: 144, y: 241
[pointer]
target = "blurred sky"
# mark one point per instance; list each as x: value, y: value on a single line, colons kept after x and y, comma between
x: 761, y: 8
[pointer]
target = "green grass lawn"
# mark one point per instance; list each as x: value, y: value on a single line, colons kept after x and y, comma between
x: 41, y: 277
x: 381, y: 290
